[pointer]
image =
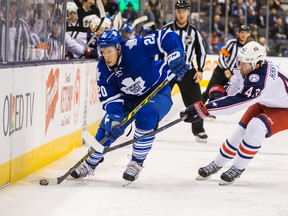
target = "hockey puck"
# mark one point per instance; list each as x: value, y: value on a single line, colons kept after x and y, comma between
x: 44, y: 182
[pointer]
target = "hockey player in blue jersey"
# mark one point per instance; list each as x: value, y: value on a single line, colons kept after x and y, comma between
x: 126, y: 75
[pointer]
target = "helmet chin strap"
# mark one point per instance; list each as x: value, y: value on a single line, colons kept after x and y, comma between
x: 119, y: 53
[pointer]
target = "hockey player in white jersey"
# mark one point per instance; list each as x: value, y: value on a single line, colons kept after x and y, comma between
x: 126, y: 75
x: 260, y: 86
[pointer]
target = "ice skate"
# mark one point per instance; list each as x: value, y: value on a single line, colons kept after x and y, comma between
x: 201, y: 137
x: 207, y: 171
x: 84, y: 170
x: 132, y: 172
x: 229, y: 176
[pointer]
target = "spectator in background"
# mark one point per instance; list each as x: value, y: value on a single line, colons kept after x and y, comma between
x: 273, y: 17
x: 218, y: 8
x: 217, y: 26
x: 275, y: 4
x: 2, y: 37
x: 130, y: 14
x: 251, y: 18
x: 231, y: 28
x: 286, y: 18
x: 111, y: 7
x: 54, y: 41
x: 35, y: 40
x: 149, y: 13
x: 74, y: 33
x: 19, y: 35
x: 155, y: 6
x: 252, y: 6
x: 215, y: 42
x: 261, y: 18
x: 286, y: 23
x: 278, y: 31
x: 262, y: 42
x: 238, y: 8
x: 86, y: 8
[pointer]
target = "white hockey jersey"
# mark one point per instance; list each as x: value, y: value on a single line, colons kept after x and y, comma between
x: 267, y: 85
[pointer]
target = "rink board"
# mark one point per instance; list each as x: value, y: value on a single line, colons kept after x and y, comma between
x: 43, y: 112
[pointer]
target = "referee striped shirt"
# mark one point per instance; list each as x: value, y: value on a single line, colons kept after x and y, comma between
x: 228, y: 54
x: 193, y: 43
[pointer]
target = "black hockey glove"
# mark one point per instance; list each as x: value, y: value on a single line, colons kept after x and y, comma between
x: 177, y: 63
x: 194, y: 112
x: 216, y: 92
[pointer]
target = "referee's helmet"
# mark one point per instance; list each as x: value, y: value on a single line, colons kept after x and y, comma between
x: 182, y: 4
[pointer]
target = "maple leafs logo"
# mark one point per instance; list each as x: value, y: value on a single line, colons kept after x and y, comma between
x: 131, y: 43
x: 133, y: 87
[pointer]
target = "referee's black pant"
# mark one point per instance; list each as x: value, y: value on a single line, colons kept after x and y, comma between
x: 218, y: 77
x: 190, y: 92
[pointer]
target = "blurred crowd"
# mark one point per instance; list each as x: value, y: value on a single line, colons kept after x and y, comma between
x: 57, y: 29
x: 268, y: 22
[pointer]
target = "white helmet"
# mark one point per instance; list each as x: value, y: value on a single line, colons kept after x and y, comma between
x: 253, y: 53
x: 88, y: 19
x: 94, y: 24
x: 71, y: 7
x: 107, y: 23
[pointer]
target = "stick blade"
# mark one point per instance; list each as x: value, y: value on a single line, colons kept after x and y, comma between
x: 139, y: 20
x: 101, y: 8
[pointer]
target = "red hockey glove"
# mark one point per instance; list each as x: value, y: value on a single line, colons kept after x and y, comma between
x: 88, y: 52
x: 216, y: 92
x: 194, y: 112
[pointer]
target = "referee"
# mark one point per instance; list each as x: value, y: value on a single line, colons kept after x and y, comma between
x: 193, y: 44
x: 226, y: 61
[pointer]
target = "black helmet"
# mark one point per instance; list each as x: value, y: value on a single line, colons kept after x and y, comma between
x: 182, y: 4
x: 244, y: 28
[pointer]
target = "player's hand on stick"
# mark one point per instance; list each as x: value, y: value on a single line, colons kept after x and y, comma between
x: 216, y: 92
x: 197, y: 77
x: 177, y: 63
x: 194, y: 112
x: 88, y: 52
x: 113, y: 130
x: 227, y: 74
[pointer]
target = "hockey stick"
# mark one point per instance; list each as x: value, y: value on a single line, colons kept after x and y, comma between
x: 135, y: 22
x: 58, y: 180
x: 139, y: 20
x: 102, y: 17
x: 90, y: 140
x: 115, y: 20
x: 99, y: 147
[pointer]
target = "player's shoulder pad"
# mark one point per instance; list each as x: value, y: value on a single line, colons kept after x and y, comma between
x: 257, y: 77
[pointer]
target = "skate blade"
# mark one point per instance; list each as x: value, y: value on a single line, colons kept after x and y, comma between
x: 200, y: 178
x: 200, y: 140
x: 225, y: 183
x: 126, y: 183
x: 210, y: 118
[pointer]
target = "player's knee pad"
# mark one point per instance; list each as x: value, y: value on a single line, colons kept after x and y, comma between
x: 146, y: 118
x: 255, y: 132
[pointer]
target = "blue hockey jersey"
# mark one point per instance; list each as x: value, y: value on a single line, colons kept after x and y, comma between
x: 136, y: 74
